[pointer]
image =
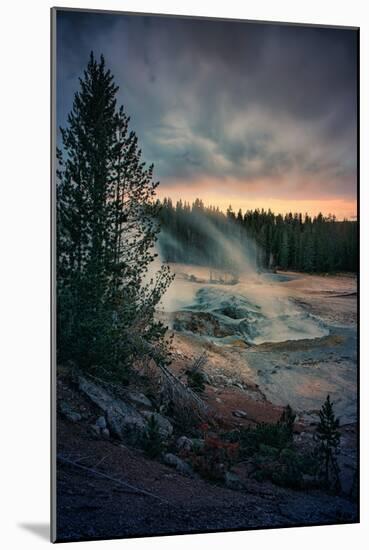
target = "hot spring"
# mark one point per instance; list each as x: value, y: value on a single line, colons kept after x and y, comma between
x: 255, y: 309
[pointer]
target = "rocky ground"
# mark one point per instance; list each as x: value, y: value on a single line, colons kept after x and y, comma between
x: 108, y: 487
x: 90, y: 506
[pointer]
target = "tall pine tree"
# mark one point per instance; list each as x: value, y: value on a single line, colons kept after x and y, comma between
x: 106, y: 231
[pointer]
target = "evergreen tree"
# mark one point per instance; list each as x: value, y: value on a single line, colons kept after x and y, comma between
x: 329, y: 437
x: 107, y: 227
x: 307, y: 253
x: 153, y: 444
x: 287, y: 419
x: 284, y: 251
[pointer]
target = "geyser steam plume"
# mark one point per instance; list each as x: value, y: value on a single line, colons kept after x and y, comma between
x: 255, y: 308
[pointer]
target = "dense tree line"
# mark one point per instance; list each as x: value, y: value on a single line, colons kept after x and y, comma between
x: 192, y: 234
x: 106, y: 230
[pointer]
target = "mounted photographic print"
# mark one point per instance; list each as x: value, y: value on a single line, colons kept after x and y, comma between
x: 205, y: 264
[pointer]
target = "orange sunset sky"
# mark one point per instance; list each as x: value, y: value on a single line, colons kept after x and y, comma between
x: 341, y: 208
x: 250, y: 197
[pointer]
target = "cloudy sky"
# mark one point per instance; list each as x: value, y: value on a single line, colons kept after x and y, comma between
x: 251, y: 114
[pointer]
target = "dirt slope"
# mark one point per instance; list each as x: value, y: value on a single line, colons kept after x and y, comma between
x: 95, y: 507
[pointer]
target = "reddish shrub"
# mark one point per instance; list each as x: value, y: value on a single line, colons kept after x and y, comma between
x: 215, y: 458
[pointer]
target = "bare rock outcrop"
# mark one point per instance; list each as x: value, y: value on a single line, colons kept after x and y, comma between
x: 122, y: 418
x: 125, y: 417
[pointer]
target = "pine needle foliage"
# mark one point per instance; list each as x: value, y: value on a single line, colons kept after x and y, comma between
x: 329, y: 436
x: 107, y: 226
x: 287, y: 419
x: 153, y: 441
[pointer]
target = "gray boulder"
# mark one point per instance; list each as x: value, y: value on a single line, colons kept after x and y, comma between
x: 68, y: 412
x: 138, y: 399
x: 122, y: 418
x: 99, y: 433
x: 184, y: 443
x: 232, y: 481
x: 180, y: 465
x: 101, y: 422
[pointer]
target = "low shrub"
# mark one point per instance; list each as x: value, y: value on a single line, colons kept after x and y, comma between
x: 271, y: 449
x: 214, y: 457
x: 276, y: 436
x: 195, y: 376
x: 152, y: 443
x: 196, y: 380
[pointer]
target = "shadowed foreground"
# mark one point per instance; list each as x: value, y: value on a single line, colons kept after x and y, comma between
x: 90, y: 506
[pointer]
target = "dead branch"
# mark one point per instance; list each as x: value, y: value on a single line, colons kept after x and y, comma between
x: 175, y: 387
x: 133, y: 488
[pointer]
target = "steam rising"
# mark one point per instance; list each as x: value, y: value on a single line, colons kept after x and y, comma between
x: 235, y: 301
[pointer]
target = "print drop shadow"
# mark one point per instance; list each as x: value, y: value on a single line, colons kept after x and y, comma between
x: 42, y: 530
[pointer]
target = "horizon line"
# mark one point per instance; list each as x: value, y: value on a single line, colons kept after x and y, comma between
x: 208, y: 205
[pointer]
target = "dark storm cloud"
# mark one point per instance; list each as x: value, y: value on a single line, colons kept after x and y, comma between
x: 210, y: 99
